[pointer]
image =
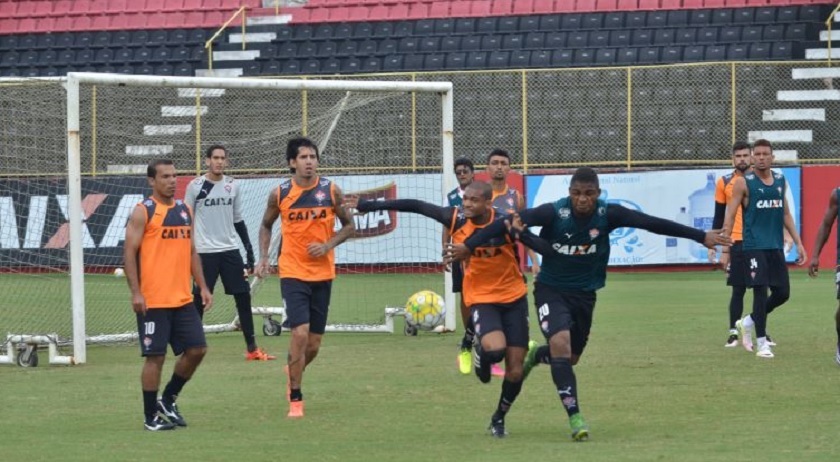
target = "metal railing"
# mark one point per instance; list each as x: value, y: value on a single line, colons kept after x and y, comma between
x: 208, y: 45
x: 828, y: 23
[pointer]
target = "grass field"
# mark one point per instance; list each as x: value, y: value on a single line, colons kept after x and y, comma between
x: 655, y: 384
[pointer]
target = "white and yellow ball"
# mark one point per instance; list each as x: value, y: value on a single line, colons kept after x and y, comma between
x: 425, y: 310
x: 119, y: 272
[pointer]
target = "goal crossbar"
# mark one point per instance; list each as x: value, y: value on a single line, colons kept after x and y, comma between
x: 72, y: 84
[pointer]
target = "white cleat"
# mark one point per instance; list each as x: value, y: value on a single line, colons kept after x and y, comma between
x: 764, y: 351
x: 745, y: 333
x: 837, y: 356
x: 770, y: 341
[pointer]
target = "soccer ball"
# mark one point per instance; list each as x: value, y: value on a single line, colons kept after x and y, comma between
x: 425, y: 310
x: 119, y: 272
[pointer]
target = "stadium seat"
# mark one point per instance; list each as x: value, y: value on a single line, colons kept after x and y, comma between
x: 382, y: 30
x: 578, y: 39
x: 455, y: 60
x: 535, y: 40
x: 759, y: 51
x: 737, y: 52
x: 412, y: 62
x: 583, y: 57
x: 310, y: 66
x: 694, y: 53
x: 83, y: 40
x: 444, y: 26
x: 599, y: 38
x: 664, y: 37
x: 323, y: 32
x: 327, y: 49
x: 773, y: 33
x: 288, y: 50
x: 477, y: 60
x: 642, y: 37
x: 513, y: 42
x: 627, y: 56
x: 167, y: 69
x: 487, y: 25
x: 699, y: 17
x: 430, y: 45
x: 104, y: 56
x: 570, y: 21
x: 677, y: 18
x: 350, y: 65
x: 782, y: 50
x: 657, y: 19
x: 520, y: 59
x: 403, y: 29
x: 363, y: 30
x: 371, y: 64
x: 508, y: 24
x: 605, y: 56
x: 491, y: 42
x: 541, y: 59
x: 499, y: 59
x: 450, y: 43
x: 796, y: 32
x: 686, y: 36
x: 636, y: 19
x: 649, y: 55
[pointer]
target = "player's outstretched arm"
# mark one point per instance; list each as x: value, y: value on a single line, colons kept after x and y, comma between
x: 272, y: 211
x: 539, y: 216
x: 131, y: 249
x: 442, y: 215
x: 521, y: 233
x: 348, y: 227
x: 822, y: 233
x: 739, y: 196
x: 622, y: 217
x: 790, y: 226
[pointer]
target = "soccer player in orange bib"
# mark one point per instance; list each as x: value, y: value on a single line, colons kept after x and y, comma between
x: 307, y: 205
x: 160, y: 257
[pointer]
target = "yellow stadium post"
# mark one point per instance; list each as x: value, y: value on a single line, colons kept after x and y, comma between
x: 629, y: 117
x: 733, y: 88
x: 828, y: 23
x: 93, y: 131
x: 524, y: 122
x: 276, y: 7
x: 304, y: 110
x: 197, y: 131
x: 244, y: 17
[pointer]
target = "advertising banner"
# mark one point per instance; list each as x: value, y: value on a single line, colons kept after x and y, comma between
x: 684, y: 196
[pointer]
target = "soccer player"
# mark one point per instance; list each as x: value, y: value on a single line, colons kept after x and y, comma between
x: 832, y: 214
x: 465, y: 173
x: 732, y: 258
x: 761, y: 194
x: 217, y: 203
x: 307, y: 205
x: 494, y: 288
x: 575, y: 244
x: 160, y: 257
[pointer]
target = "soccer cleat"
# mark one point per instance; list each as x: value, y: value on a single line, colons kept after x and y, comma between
x: 769, y: 340
x: 837, y: 356
x: 497, y: 371
x: 464, y: 360
x: 171, y: 413
x: 157, y: 424
x: 497, y: 428
x: 530, y: 359
x: 258, y: 355
x: 580, y: 431
x: 732, y: 341
x: 764, y: 351
x: 295, y: 410
x: 482, y: 370
x: 746, y: 335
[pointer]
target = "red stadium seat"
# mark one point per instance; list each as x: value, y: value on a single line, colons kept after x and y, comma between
x: 7, y: 10
x: 210, y: 5
x: 481, y: 7
x: 502, y: 7
x: 175, y: 19
x: 439, y: 9
x: 298, y: 15
x: 46, y: 24
x: 737, y: 3
x: 671, y: 4
x: 80, y: 7
x: 26, y: 9
x: 357, y: 13
x: 174, y: 5
x: 122, y: 21
x: 340, y: 14
x: 713, y: 3
x: 648, y: 4
x: 43, y: 8
x: 418, y: 10
x: 193, y: 5
x: 585, y: 5
x: 400, y: 10
x: 606, y: 5
x: 155, y: 20
x: 98, y: 6
x: 378, y: 13
x: 8, y: 25
x: 692, y: 3
x: 459, y: 9
x: 523, y: 6
x: 63, y: 23
x: 26, y: 25
x: 116, y: 6
x: 101, y: 22
x: 319, y: 14
x: 628, y: 5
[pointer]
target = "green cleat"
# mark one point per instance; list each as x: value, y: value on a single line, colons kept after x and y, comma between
x: 530, y: 359
x: 580, y: 431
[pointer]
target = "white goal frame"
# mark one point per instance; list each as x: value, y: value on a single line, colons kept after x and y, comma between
x: 72, y: 83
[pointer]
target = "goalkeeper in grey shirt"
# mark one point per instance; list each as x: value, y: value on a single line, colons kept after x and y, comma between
x: 217, y: 208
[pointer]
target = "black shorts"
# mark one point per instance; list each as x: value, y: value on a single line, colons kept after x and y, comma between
x: 559, y: 310
x: 306, y: 302
x: 766, y: 268
x: 457, y: 277
x: 179, y: 327
x: 229, y: 266
x: 736, y: 270
x: 510, y: 318
x: 837, y: 281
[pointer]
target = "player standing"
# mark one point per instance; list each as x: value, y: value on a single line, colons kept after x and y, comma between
x: 159, y: 258
x: 307, y: 205
x: 494, y: 288
x: 761, y: 194
x: 217, y: 204
x: 832, y: 214
x: 575, y: 244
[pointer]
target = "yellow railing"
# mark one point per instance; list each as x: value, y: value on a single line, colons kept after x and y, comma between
x: 828, y: 23
x: 208, y: 45
x: 276, y: 7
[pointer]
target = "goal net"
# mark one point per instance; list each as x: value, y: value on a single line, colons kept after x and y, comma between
x: 74, y: 153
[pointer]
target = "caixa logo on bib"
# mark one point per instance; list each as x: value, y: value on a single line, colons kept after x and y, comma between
x: 34, y: 217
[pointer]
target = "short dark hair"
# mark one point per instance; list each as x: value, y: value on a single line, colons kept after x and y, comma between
x: 498, y: 152
x: 484, y: 188
x: 763, y: 142
x: 151, y: 170
x: 295, y: 144
x: 464, y: 162
x: 585, y: 175
x: 740, y: 145
x: 208, y: 153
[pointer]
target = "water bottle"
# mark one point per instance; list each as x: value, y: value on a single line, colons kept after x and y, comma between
x: 670, y: 250
x: 702, y: 206
x: 683, y: 246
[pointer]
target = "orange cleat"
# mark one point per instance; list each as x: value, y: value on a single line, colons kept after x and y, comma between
x: 259, y: 355
x: 295, y: 410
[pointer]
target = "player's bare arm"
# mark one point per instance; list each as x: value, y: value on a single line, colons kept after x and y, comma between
x: 133, y: 238
x: 740, y: 197
x: 822, y: 234
x: 790, y: 226
x: 348, y: 227
x: 198, y: 277
x: 269, y: 217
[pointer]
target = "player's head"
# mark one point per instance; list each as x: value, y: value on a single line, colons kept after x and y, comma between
x: 762, y: 155
x: 498, y: 164
x: 741, y: 156
x: 584, y: 191
x: 215, y: 158
x: 464, y: 171
x: 162, y: 177
x: 477, y: 197
x: 302, y: 154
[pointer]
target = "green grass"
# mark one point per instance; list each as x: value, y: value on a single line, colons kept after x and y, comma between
x: 655, y: 384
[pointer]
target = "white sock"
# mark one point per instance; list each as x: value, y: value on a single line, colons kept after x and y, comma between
x: 748, y: 322
x: 762, y: 341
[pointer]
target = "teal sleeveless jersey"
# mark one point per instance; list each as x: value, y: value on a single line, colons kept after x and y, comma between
x: 581, y: 253
x: 764, y: 217
x: 454, y: 198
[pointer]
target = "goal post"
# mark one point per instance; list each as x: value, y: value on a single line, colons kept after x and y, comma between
x: 75, y: 207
